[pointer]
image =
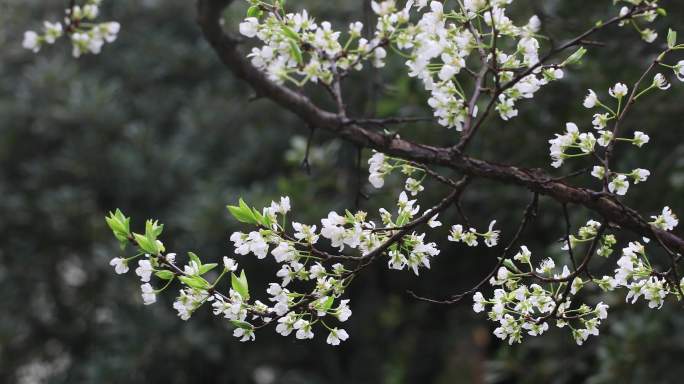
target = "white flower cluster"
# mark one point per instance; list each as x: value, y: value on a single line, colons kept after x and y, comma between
x: 647, y: 34
x: 298, y: 49
x: 440, y: 45
x: 587, y: 234
x: 300, y: 261
x: 636, y: 274
x: 86, y: 36
x: 307, y: 295
x: 381, y: 166
x: 469, y: 237
x: 520, y: 308
x: 572, y: 143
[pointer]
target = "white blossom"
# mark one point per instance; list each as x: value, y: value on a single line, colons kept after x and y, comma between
x: 149, y: 295
x: 120, y: 265
x: 337, y: 335
x: 618, y: 91
x: 144, y: 270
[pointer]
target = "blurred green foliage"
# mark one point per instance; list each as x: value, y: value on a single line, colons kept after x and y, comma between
x: 157, y: 127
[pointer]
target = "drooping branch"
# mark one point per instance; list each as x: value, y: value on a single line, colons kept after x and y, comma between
x: 209, y: 13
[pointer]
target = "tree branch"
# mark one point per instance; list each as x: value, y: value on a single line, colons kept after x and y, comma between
x: 209, y: 13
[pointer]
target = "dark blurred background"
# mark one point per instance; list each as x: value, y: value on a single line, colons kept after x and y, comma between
x: 157, y: 127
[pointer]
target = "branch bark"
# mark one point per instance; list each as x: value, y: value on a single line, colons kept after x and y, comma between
x: 226, y: 47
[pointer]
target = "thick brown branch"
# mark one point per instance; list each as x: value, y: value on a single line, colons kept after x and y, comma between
x: 532, y: 179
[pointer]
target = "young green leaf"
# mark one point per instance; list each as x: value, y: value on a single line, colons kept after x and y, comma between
x: 239, y: 214
x: 253, y: 11
x: 240, y: 285
x: 206, y: 268
x: 145, y: 244
x: 194, y: 282
x: 671, y: 38
x: 296, y: 52
x: 164, y: 275
x: 196, y: 259
x: 242, y: 324
x: 290, y: 33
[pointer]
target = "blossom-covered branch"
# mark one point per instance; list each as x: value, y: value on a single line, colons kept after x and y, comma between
x: 468, y: 55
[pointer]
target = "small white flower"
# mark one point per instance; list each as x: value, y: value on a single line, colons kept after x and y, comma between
x: 639, y: 175
x: 120, y: 265
x: 640, y: 139
x: 52, y: 31
x: 355, y: 28
x: 229, y: 264
x: 337, y: 335
x: 666, y: 221
x: 619, y: 185
x: 602, y: 310
x: 31, y: 41
x: 491, y: 238
x: 649, y: 35
x: 679, y: 70
x: 303, y: 328
x: 343, y: 312
x: 413, y: 186
x: 598, y: 172
x: 660, y: 82
x: 244, y: 334
x: 144, y: 270
x: 591, y: 100
x: 524, y: 255
x: 618, y: 91
x: 148, y: 294
x: 479, y: 302
x: 433, y: 222
x: 249, y: 27
x: 546, y: 266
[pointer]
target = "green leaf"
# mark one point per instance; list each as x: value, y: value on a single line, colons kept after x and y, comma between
x: 243, y: 213
x: 240, y: 285
x: 242, y: 324
x: 290, y: 33
x: 671, y: 38
x: 145, y: 244
x: 661, y: 11
x: 194, y: 282
x: 328, y: 304
x: 296, y: 52
x: 258, y: 216
x: 120, y: 225
x: 153, y: 229
x: 266, y: 221
x: 164, y: 275
x: 575, y: 57
x: 206, y: 268
x: 113, y: 223
x: 195, y: 258
x: 253, y: 11
x: 239, y: 214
